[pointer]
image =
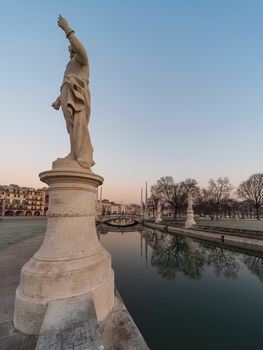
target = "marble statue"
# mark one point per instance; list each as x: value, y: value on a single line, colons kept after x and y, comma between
x: 71, y: 262
x: 159, y: 211
x: 75, y: 99
x: 190, y: 221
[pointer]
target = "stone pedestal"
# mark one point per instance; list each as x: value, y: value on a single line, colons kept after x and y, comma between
x: 158, y: 217
x: 71, y: 261
x: 146, y: 214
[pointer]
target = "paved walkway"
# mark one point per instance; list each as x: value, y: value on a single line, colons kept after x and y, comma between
x: 11, y: 261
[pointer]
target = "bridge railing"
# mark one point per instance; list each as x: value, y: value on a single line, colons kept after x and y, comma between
x: 103, y: 218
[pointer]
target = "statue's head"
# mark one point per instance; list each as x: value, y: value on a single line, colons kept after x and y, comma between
x: 71, y: 51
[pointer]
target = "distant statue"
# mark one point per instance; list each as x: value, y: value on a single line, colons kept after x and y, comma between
x: 75, y: 99
x: 159, y: 211
x: 190, y: 221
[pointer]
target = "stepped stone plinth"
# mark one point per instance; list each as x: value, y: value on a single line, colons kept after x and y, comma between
x: 71, y: 261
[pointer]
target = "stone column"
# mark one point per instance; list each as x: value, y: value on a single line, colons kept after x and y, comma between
x: 190, y: 221
x: 146, y: 210
x: 141, y: 210
x: 71, y: 261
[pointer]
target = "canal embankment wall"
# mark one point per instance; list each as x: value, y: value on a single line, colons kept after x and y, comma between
x: 240, y: 240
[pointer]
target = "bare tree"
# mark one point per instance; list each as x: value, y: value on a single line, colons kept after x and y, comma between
x: 252, y: 191
x: 152, y: 204
x: 218, y: 192
x: 202, y: 203
x: 174, y: 193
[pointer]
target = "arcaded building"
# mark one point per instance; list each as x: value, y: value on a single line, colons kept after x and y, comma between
x: 23, y: 201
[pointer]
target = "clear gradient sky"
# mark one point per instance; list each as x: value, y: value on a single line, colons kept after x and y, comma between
x: 176, y: 87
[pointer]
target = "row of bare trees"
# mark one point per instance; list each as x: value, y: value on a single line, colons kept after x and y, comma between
x: 218, y: 198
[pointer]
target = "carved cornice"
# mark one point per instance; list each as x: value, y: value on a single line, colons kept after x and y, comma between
x: 67, y: 177
x: 69, y: 213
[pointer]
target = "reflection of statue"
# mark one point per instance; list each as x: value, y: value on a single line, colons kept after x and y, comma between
x: 75, y: 99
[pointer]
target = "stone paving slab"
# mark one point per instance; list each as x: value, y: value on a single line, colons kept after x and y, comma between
x: 70, y: 324
x: 11, y: 261
x: 14, y: 230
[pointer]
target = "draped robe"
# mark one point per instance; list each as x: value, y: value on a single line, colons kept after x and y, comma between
x: 75, y: 103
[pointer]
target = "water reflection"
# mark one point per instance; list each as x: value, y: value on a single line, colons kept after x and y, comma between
x: 171, y: 254
x: 188, y: 294
x: 104, y: 228
x: 223, y: 261
x: 255, y: 265
x: 174, y: 253
x: 122, y: 222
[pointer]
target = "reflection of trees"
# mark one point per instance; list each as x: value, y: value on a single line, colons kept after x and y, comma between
x: 223, y: 261
x: 255, y: 265
x: 172, y: 254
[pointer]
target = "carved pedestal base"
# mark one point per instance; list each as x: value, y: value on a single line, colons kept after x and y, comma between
x: 71, y: 261
x: 190, y: 221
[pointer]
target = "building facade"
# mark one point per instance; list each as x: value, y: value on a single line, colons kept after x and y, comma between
x: 23, y: 201
x: 105, y: 207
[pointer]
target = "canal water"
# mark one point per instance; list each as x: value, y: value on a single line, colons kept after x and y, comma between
x: 188, y: 295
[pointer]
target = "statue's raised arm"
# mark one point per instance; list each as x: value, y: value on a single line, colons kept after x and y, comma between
x: 74, y: 99
x: 75, y: 43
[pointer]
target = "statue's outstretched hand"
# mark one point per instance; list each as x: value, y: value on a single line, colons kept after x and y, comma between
x: 56, y: 105
x: 63, y: 24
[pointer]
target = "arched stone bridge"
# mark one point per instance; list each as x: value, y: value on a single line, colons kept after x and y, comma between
x: 106, y: 218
